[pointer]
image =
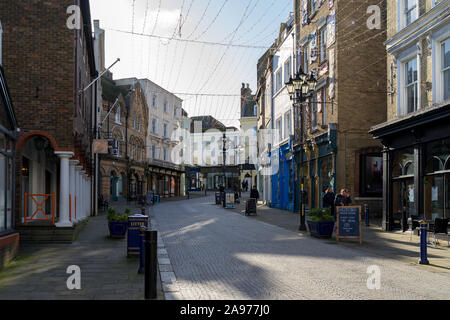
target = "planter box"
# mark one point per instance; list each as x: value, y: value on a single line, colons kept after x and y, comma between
x: 118, y: 229
x: 320, y: 229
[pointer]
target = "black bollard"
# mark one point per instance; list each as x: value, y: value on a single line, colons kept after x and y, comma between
x: 151, y: 262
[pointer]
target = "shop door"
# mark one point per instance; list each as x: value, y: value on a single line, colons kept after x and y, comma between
x: 404, y: 202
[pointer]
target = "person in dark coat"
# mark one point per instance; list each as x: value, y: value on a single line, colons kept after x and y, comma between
x: 348, y: 200
x: 341, y: 199
x: 328, y: 200
x: 254, y: 193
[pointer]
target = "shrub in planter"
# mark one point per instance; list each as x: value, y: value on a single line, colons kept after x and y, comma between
x: 117, y: 223
x: 320, y: 222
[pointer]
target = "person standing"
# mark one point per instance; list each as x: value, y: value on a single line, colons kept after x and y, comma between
x: 254, y: 193
x: 348, y: 200
x: 340, y: 200
x: 328, y: 200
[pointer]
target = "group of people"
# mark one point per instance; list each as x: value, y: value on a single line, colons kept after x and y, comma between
x: 342, y: 199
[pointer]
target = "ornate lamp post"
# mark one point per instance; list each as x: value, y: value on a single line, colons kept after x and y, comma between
x: 300, y: 88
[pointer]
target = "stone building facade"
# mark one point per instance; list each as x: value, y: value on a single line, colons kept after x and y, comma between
x: 338, y: 43
x: 416, y: 135
x: 123, y: 170
x: 49, y: 63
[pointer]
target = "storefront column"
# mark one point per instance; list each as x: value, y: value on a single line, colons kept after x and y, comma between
x: 82, y: 196
x: 77, y: 193
x: 387, y: 222
x: 72, y: 188
x: 64, y: 189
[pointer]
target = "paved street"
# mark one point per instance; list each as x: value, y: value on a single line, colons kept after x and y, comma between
x: 220, y: 254
x: 39, y: 273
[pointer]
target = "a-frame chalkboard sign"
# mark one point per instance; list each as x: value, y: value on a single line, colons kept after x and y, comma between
x: 349, y: 224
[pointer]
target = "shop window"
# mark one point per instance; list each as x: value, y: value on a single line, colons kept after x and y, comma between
x: 371, y: 175
x: 403, y: 164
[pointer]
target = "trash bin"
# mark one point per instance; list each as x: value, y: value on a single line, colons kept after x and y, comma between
x: 135, y: 223
x: 156, y: 199
x: 217, y: 194
x: 250, y: 207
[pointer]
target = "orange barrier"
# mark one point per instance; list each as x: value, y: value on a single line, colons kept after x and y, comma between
x: 39, y: 207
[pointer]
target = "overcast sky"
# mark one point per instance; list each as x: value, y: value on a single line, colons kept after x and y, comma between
x: 186, y: 67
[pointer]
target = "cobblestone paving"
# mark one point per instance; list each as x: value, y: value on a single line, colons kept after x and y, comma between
x: 220, y: 254
x: 106, y: 273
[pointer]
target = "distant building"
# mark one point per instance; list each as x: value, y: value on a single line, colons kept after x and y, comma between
x: 248, y: 152
x: 165, y: 116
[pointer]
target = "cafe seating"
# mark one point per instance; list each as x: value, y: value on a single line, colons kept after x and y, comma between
x: 440, y: 227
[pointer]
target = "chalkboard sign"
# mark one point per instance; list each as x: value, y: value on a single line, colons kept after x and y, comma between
x: 349, y: 223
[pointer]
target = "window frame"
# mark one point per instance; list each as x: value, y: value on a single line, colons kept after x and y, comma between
x: 362, y: 186
x: 443, y: 70
x: 117, y: 116
x: 406, y: 86
x: 323, y: 44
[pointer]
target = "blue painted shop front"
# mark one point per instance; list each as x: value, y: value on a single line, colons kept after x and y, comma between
x: 283, y: 179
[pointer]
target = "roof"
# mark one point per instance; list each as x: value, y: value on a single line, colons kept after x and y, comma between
x: 208, y: 122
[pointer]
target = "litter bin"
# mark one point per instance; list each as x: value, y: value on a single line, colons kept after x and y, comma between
x: 135, y: 223
x: 250, y: 207
x: 156, y: 199
x: 217, y: 194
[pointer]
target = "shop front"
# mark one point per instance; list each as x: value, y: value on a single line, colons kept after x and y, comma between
x: 416, y: 155
x: 9, y: 239
x: 317, y: 170
x: 283, y: 188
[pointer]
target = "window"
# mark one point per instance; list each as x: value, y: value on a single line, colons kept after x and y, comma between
x: 165, y: 106
x: 174, y: 110
x: 166, y: 131
x: 118, y: 115
x: 280, y: 130
x: 154, y: 126
x: 411, y: 89
x: 154, y: 101
x: 165, y: 154
x: 324, y: 106
x: 371, y: 175
x: 155, y: 152
x: 139, y: 124
x: 313, y: 107
x: 323, y: 44
x: 287, y: 124
x: 305, y: 58
x: 255, y: 110
x: 287, y: 70
x: 279, y: 80
x: 410, y: 11
x: 445, y: 67
x: 134, y: 121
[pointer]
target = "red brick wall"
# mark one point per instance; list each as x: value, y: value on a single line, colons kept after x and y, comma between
x: 9, y: 246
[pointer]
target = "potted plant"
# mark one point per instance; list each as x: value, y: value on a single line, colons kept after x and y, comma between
x: 320, y: 222
x: 117, y: 223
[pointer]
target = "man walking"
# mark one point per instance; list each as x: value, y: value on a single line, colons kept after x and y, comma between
x: 328, y: 200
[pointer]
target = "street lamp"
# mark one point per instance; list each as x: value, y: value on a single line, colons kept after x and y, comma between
x: 300, y: 88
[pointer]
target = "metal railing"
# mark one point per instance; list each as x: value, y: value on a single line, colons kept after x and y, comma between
x: 40, y: 207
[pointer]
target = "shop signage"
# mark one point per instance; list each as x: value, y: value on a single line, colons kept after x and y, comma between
x: 349, y: 223
x: 229, y: 200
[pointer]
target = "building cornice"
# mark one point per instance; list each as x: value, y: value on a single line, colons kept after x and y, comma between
x: 425, y: 24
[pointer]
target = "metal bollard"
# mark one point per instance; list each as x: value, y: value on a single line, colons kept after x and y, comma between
x: 142, y: 251
x: 423, y: 243
x: 366, y: 210
x: 151, y: 263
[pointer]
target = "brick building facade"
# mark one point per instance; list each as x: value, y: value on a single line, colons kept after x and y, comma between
x: 49, y: 63
x: 347, y: 58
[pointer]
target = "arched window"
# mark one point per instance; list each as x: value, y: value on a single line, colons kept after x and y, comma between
x: 118, y: 115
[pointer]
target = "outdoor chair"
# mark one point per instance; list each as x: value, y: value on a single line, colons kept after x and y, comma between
x: 441, y: 227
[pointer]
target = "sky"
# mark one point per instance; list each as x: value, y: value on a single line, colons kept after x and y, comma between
x: 208, y: 77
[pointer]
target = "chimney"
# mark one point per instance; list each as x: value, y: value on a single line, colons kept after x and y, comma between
x: 1, y: 35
